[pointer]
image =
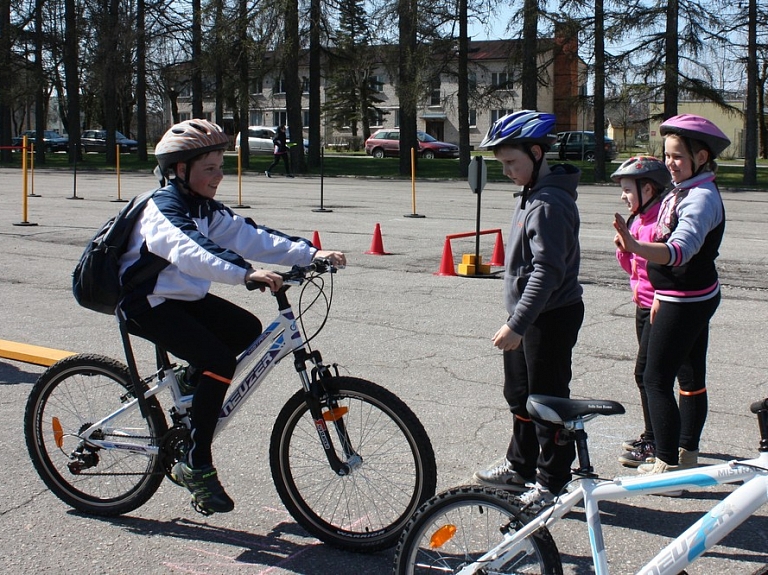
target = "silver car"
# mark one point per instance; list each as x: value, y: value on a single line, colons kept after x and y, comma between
x: 259, y: 140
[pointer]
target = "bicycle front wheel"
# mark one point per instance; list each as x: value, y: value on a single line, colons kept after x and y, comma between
x: 457, y: 527
x: 68, y: 398
x: 391, y: 459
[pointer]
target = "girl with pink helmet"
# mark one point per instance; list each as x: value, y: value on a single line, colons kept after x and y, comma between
x: 681, y: 268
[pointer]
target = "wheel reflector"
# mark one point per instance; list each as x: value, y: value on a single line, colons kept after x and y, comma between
x: 442, y: 536
x: 58, y: 432
x: 335, y: 414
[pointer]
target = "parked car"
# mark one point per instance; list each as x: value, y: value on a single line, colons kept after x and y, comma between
x: 54, y: 142
x: 580, y: 145
x: 96, y: 141
x: 259, y: 140
x: 386, y: 142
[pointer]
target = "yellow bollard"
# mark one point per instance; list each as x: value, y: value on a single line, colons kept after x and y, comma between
x: 413, y: 213
x: 24, y: 188
x: 117, y: 170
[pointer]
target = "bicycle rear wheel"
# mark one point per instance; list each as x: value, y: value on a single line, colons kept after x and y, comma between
x: 68, y: 398
x: 455, y: 528
x: 395, y: 473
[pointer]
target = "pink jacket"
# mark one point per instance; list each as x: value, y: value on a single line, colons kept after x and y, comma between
x: 642, y: 230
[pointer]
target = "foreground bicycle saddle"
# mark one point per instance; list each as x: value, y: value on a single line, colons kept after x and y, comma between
x: 561, y: 410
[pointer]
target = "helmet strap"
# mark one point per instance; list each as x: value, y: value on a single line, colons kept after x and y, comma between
x: 534, y: 173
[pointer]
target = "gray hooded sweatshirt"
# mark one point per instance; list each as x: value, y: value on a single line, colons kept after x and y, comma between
x: 542, y: 259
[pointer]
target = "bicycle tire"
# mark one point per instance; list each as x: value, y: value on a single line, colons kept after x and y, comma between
x: 480, y: 517
x: 367, y: 509
x: 71, y: 395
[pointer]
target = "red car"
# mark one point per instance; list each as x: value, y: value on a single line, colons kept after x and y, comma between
x: 386, y: 142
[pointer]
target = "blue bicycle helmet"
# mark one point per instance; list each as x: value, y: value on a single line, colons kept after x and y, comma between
x: 523, y: 127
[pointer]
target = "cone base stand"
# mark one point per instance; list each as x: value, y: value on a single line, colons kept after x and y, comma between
x: 120, y: 200
x: 24, y: 224
x: 414, y: 216
x: 74, y: 198
x: 34, y: 196
x: 240, y: 206
x: 321, y: 210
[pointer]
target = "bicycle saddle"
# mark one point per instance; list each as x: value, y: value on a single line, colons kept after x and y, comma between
x: 559, y: 410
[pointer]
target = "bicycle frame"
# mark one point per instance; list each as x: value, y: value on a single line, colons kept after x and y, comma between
x: 279, y: 339
x: 698, y: 538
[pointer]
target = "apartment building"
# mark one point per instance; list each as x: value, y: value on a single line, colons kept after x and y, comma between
x: 494, y: 82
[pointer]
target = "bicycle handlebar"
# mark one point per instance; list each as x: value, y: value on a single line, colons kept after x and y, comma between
x: 297, y: 274
x: 759, y: 406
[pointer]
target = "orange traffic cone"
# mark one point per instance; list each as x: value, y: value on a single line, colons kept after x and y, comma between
x: 498, y: 252
x: 316, y: 240
x: 446, y: 265
x: 377, y: 246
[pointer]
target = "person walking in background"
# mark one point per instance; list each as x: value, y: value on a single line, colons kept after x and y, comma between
x: 280, y: 151
x: 543, y: 299
x: 681, y: 269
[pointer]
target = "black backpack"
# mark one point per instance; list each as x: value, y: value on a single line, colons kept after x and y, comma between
x: 96, y: 279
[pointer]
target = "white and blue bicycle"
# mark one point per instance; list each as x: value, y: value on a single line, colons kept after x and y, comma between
x: 473, y: 530
x: 350, y: 460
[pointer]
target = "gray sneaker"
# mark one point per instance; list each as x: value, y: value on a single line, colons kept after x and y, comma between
x: 536, y: 498
x: 503, y: 476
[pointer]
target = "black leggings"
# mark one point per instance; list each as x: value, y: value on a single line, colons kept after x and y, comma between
x: 684, y: 376
x: 209, y: 334
x: 680, y: 334
x: 542, y: 364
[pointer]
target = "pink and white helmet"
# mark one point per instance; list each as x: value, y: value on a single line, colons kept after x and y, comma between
x: 187, y: 140
x: 697, y: 128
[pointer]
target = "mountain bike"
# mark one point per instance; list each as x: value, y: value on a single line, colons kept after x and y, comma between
x: 473, y: 530
x: 350, y: 461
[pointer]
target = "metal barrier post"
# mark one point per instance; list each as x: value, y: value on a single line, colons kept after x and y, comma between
x: 24, y: 221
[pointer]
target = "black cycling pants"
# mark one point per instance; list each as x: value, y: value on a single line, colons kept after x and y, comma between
x: 680, y: 334
x: 542, y: 364
x: 208, y: 334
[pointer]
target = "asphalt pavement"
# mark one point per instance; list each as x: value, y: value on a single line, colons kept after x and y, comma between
x: 394, y: 321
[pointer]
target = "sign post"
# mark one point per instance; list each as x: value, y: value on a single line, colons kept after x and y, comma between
x: 477, y: 176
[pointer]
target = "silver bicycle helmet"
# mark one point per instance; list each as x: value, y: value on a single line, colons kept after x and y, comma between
x: 644, y: 167
x: 187, y: 140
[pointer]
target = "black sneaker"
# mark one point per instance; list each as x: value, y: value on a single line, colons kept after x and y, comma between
x: 632, y: 444
x: 642, y: 454
x: 208, y: 496
x: 266, y: 173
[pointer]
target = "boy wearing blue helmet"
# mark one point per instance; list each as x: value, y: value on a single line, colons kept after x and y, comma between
x: 543, y: 298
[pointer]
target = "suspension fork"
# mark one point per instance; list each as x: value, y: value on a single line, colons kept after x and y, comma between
x: 317, y: 396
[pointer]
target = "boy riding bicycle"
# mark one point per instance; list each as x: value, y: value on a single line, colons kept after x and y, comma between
x: 203, y: 241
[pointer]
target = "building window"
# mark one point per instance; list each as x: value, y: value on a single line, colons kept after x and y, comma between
x: 305, y: 118
x: 281, y: 118
x: 501, y: 80
x: 304, y: 85
x: 397, y: 118
x: 376, y: 83
x: 472, y: 82
x: 435, y: 98
x: 279, y: 86
x: 184, y: 116
x: 376, y: 118
x: 257, y: 86
x: 257, y: 118
x: 473, y: 118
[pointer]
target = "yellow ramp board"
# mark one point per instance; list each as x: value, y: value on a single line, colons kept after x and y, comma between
x: 31, y: 353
